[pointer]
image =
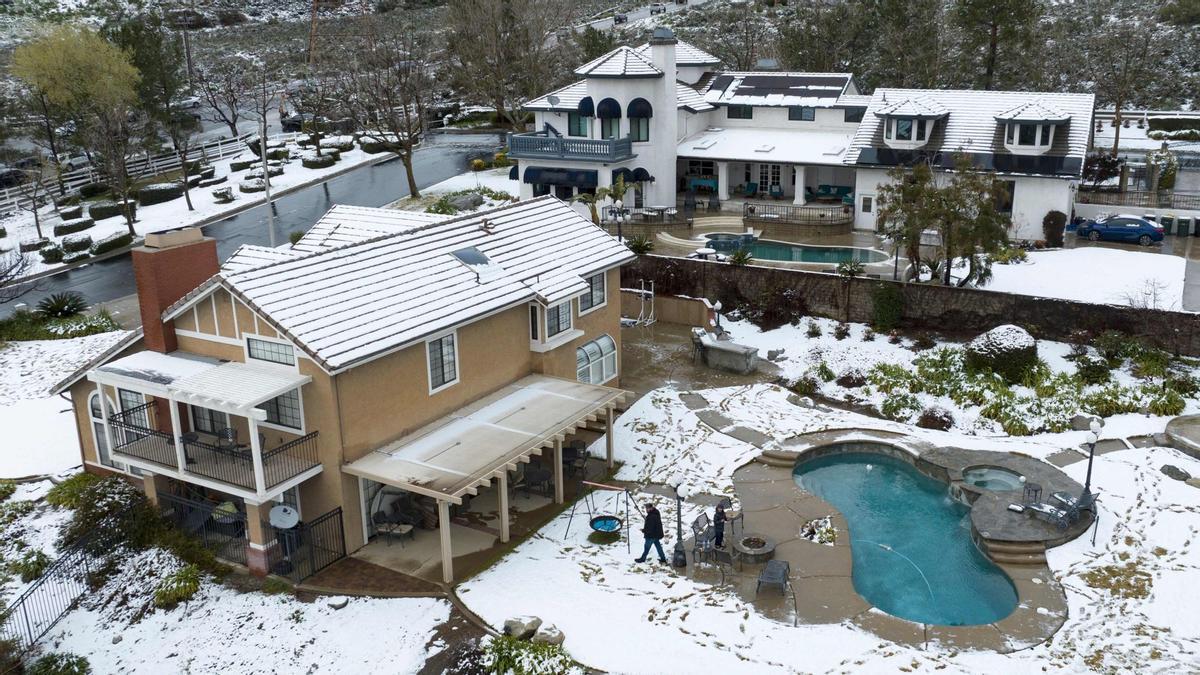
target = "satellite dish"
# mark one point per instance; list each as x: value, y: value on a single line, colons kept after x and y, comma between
x: 284, y: 517
x: 553, y: 99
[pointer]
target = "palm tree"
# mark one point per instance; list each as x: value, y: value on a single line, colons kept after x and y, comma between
x: 616, y: 192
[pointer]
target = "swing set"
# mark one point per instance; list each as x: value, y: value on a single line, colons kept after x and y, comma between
x: 598, y: 520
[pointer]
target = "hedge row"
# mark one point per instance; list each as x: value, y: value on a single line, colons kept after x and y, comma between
x: 73, y: 225
x: 108, y: 209
x: 51, y: 254
x: 93, y: 189
x: 112, y: 242
x: 71, y: 213
x: 76, y: 242
x: 157, y: 193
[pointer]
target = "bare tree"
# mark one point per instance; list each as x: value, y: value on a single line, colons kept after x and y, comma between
x: 1122, y: 58
x: 46, y: 132
x: 319, y: 104
x: 33, y: 191
x: 14, y: 267
x: 226, y: 87
x: 387, y: 86
x: 262, y: 95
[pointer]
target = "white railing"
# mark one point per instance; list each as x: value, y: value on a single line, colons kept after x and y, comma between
x: 139, y: 167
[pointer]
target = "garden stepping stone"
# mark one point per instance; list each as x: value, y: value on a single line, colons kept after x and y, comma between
x: 693, y: 400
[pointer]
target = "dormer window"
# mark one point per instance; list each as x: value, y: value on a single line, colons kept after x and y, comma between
x: 1030, y: 127
x: 1029, y: 135
x: 907, y: 132
x: 909, y: 123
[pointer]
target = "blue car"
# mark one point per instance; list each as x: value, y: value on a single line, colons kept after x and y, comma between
x: 1122, y: 228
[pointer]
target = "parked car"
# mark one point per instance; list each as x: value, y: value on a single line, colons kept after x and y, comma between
x: 70, y: 162
x: 188, y: 102
x: 657, y: 8
x: 11, y: 177
x: 620, y: 18
x: 1121, y: 227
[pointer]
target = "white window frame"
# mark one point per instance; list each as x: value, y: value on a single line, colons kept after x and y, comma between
x: 863, y: 205
x: 192, y: 417
x: 302, y: 429
x: 605, y: 360
x: 99, y: 437
x: 429, y: 363
x: 546, y: 320
x: 246, y: 337
x: 603, y: 289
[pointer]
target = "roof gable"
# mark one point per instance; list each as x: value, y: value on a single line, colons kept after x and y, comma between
x: 686, y: 54
x: 620, y: 62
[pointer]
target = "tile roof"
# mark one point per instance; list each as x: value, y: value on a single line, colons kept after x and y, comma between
x: 911, y: 106
x: 347, y: 305
x: 1034, y: 111
x: 620, y: 62
x: 249, y: 256
x: 776, y: 88
x: 970, y: 126
x: 344, y: 224
x: 686, y: 55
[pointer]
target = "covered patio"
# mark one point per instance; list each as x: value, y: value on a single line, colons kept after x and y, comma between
x: 480, y: 446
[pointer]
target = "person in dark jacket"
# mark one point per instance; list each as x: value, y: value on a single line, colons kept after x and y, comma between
x: 719, y: 519
x: 652, y: 530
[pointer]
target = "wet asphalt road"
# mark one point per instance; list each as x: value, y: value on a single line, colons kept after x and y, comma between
x: 443, y: 157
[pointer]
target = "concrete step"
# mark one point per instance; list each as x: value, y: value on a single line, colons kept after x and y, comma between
x: 1023, y: 559
x: 1015, y: 547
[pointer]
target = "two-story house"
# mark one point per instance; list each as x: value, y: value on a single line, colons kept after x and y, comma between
x: 431, y: 356
x: 676, y: 127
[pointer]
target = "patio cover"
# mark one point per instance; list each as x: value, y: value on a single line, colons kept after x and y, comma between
x: 772, y: 146
x: 465, y: 450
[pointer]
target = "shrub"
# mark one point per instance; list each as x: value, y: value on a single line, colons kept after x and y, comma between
x: 88, y: 190
x: 1183, y: 383
x: 249, y: 186
x: 112, y: 242
x: 7, y: 488
x: 108, y: 209
x: 1009, y: 255
x: 3, y: 233
x: 825, y: 372
x: 923, y: 341
x: 813, y: 330
x: 1092, y: 371
x: 70, y: 492
x: 501, y: 160
x: 935, y: 417
x: 1164, y: 401
x: 32, y: 245
x: 479, y: 164
x: 507, y: 654
x: 114, y: 512
x: 10, y: 654
x: 73, y: 225
x: 62, y: 305
x: 296, y: 236
x: 242, y: 164
x: 442, y: 206
x: 71, y: 212
x: 231, y: 17
x: 1115, y: 347
x: 841, y: 331
x: 59, y: 664
x: 1008, y: 351
x: 30, y: 565
x: 887, y: 306
x: 868, y: 335
x: 1112, y: 399
x: 740, y: 257
x: 51, y: 255
x: 899, y: 406
x: 157, y: 193
x: 1151, y: 362
x: 806, y: 385
x: 324, y: 161
x: 640, y: 245
x: 1053, y: 226
x: 73, y: 243
x: 180, y: 586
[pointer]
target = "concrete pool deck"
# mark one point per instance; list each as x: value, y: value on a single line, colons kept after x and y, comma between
x: 822, y: 575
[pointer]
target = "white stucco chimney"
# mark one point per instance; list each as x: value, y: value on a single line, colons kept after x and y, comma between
x: 665, y: 123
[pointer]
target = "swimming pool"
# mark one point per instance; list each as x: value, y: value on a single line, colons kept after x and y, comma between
x: 766, y: 249
x: 911, y: 544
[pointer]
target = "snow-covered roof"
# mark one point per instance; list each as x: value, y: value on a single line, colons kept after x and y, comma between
x: 569, y: 97
x: 860, y: 100
x: 79, y: 373
x: 157, y: 368
x: 970, y: 126
x: 685, y: 55
x: 917, y: 106
x: 620, y: 62
x: 344, y: 224
x: 1034, y: 111
x: 766, y: 145
x: 248, y: 256
x: 777, y: 88
x: 345, y: 306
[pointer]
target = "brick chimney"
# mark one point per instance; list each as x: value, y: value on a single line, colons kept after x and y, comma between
x: 167, y: 267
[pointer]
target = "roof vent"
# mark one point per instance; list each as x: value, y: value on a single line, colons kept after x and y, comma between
x: 487, y: 225
x: 767, y: 64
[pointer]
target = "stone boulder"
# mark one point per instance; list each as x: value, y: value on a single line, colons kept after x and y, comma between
x: 467, y: 202
x: 1172, y: 471
x: 548, y: 634
x: 852, y: 378
x: 775, y: 354
x: 522, y: 627
x: 1008, y: 350
x: 1083, y: 421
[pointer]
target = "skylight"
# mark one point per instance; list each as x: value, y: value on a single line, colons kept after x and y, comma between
x: 478, y: 262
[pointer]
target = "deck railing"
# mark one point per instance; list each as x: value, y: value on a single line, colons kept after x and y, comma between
x: 290, y: 459
x: 133, y: 436
x: 796, y: 215
x: 543, y: 145
x: 1142, y: 199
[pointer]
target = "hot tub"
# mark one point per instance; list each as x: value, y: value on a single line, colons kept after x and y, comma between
x: 994, y: 478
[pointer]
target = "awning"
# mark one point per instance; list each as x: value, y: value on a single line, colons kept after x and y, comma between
x: 641, y: 175
x: 640, y: 107
x: 618, y: 173
x: 463, y: 451
x: 514, y: 173
x: 586, y: 107
x: 536, y: 175
x: 608, y: 109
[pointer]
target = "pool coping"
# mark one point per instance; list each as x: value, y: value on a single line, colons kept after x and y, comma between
x: 1041, y: 601
x: 881, y: 267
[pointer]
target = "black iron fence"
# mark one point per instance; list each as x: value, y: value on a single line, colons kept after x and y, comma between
x: 290, y: 459
x: 797, y: 215
x: 308, y: 548
x: 220, y: 528
x: 1143, y: 199
x: 40, y: 607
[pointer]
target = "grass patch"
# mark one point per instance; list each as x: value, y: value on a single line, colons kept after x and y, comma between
x: 26, y: 325
x: 1121, y: 581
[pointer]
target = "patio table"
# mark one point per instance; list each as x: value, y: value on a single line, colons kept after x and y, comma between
x: 703, y: 253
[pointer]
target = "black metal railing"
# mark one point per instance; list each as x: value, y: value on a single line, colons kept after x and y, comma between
x: 235, y: 466
x: 290, y: 459
x: 543, y: 145
x: 40, y: 607
x: 1142, y: 198
x: 797, y: 215
x: 302, y: 551
x: 222, y: 531
x: 660, y: 218
x: 132, y: 436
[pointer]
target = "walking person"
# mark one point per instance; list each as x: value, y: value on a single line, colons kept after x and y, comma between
x: 719, y: 519
x: 652, y: 530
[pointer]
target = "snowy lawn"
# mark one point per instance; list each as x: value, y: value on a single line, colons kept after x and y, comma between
x: 490, y: 184
x: 173, y: 214
x: 493, y: 179
x: 1102, y: 276
x: 646, y: 618
x: 40, y: 436
x: 902, y: 382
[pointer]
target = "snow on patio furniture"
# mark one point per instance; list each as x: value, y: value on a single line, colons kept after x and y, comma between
x: 1050, y: 514
x: 1076, y: 505
x: 776, y: 573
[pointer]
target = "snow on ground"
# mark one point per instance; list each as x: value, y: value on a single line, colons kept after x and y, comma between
x: 40, y: 435
x: 1097, y: 275
x: 173, y: 214
x: 494, y: 179
x: 645, y: 618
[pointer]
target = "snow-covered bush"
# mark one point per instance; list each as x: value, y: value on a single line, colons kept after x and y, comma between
x: 310, y: 160
x: 108, y: 209
x: 75, y: 257
x: 93, y: 189
x: 1008, y: 350
x: 111, y: 243
x: 252, y: 185
x: 73, y: 225
x: 59, y: 664
x: 887, y: 306
x: 1092, y: 371
x: 51, y: 254
x: 936, y: 417
x: 73, y: 243
x: 180, y: 586
x: 242, y: 163
x: 505, y: 654
x: 71, y: 212
x: 157, y: 193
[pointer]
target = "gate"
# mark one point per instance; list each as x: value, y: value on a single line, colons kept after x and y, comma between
x: 221, y: 530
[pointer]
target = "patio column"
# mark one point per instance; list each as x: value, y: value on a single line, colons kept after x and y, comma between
x: 502, y: 486
x: 260, y: 480
x: 177, y: 433
x: 444, y: 532
x: 608, y: 436
x: 723, y: 180
x: 799, y: 199
x: 558, y: 471
x: 256, y: 545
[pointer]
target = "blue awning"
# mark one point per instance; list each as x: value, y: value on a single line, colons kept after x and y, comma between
x: 608, y: 109
x: 586, y: 107
x: 640, y: 107
x: 617, y: 173
x: 514, y: 173
x: 536, y: 175
x: 641, y: 175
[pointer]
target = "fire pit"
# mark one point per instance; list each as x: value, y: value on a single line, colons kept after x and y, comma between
x: 755, y: 548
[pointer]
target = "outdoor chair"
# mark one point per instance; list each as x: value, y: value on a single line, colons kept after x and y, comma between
x: 776, y: 573
x: 227, y: 438
x: 776, y: 191
x: 537, y: 477
x: 1076, y: 506
x: 733, y: 517
x: 714, y: 203
x: 1050, y: 514
x: 751, y: 190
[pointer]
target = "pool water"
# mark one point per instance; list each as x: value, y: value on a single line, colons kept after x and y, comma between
x: 911, y: 544
x: 765, y: 249
x: 993, y: 478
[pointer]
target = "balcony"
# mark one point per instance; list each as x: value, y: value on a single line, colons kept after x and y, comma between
x: 224, y: 462
x: 545, y: 145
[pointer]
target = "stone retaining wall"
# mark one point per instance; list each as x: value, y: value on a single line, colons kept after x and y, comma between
x: 932, y: 307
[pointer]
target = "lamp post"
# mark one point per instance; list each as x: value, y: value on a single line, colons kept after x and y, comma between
x: 619, y: 215
x: 678, y: 557
x: 1093, y: 437
x: 717, y: 312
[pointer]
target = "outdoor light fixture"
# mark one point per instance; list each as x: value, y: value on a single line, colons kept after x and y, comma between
x: 1093, y: 437
x: 678, y: 557
x: 717, y: 311
x: 618, y: 215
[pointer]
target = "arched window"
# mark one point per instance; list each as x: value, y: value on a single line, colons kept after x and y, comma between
x: 579, y: 122
x: 99, y: 438
x: 640, y: 113
x: 609, y: 112
x: 596, y: 361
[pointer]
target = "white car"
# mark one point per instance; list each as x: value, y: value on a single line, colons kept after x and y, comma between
x: 189, y: 102
x: 657, y: 8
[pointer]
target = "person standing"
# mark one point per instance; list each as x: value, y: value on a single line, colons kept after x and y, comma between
x: 719, y: 519
x: 652, y: 530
